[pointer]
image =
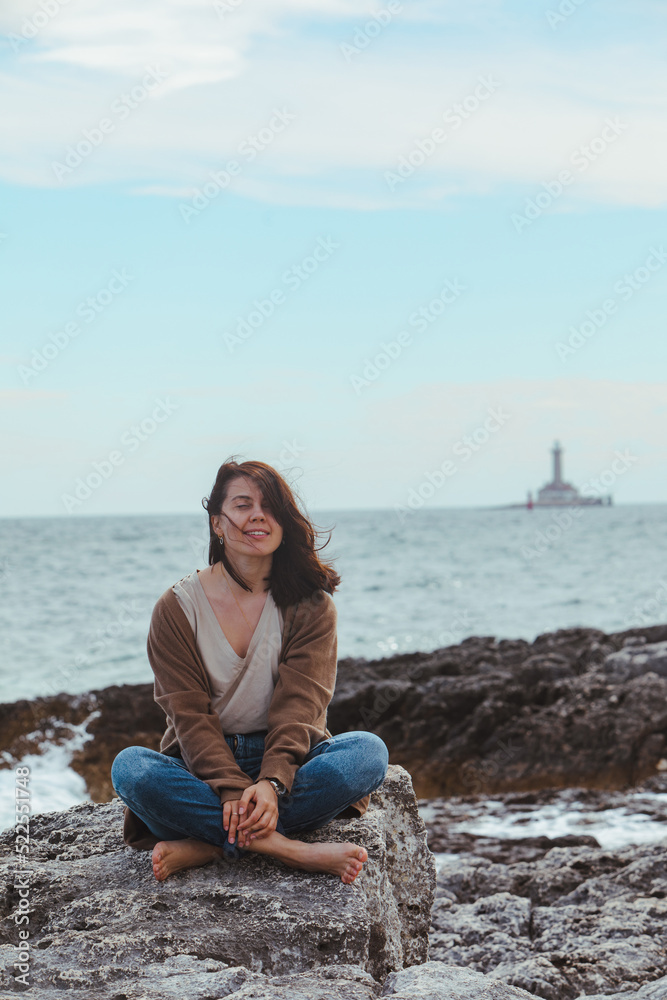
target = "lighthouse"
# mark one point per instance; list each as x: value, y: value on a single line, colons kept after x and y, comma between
x: 558, y: 493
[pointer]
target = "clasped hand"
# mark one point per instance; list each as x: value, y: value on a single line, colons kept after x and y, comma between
x: 253, y: 816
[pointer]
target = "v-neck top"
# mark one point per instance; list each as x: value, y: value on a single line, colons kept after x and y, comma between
x: 242, y: 686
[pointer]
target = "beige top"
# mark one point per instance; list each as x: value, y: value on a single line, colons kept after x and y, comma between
x: 242, y: 686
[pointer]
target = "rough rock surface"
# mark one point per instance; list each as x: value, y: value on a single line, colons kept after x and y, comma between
x: 186, y: 977
x: 637, y: 659
x: 488, y: 716
x: 575, y: 707
x: 652, y: 991
x: 99, y: 921
x: 439, y: 981
x: 559, y: 922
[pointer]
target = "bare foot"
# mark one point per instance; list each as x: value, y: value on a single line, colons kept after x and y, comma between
x: 345, y: 860
x: 171, y: 856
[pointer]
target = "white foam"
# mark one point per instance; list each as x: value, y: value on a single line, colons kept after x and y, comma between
x: 613, y: 828
x: 53, y: 785
x: 443, y: 858
x: 428, y: 812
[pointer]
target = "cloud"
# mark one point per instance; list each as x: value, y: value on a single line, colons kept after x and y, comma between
x: 355, y: 119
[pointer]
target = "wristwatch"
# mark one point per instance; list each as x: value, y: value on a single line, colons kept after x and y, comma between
x: 277, y: 786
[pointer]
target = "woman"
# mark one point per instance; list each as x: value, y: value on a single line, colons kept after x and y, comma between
x: 244, y: 658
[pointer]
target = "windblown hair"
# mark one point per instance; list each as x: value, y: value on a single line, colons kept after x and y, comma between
x: 296, y: 570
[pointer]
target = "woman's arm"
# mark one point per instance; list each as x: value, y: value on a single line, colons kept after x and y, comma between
x: 182, y: 691
x: 306, y: 682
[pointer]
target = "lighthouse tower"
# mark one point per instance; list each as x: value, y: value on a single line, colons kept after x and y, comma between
x: 557, y: 492
x: 557, y: 451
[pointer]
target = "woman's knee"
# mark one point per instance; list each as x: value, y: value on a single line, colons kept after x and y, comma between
x: 379, y: 756
x: 372, y: 758
x: 130, y: 767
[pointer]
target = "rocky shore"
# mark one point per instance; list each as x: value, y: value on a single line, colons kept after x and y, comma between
x: 576, y: 707
x: 522, y: 918
x: 493, y: 733
x: 559, y: 917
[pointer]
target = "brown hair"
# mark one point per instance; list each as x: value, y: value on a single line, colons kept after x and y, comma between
x: 296, y: 570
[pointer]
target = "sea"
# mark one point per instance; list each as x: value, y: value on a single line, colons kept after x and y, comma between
x: 77, y: 594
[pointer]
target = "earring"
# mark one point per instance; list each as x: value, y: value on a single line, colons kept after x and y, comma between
x: 221, y: 539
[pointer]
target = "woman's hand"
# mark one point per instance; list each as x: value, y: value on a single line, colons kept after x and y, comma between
x: 258, y: 812
x: 231, y: 817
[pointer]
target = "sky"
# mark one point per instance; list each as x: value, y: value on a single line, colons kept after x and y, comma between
x: 377, y: 245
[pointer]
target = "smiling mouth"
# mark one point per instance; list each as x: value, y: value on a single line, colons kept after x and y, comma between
x: 256, y: 534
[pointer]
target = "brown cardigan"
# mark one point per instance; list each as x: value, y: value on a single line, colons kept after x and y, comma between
x: 297, y: 713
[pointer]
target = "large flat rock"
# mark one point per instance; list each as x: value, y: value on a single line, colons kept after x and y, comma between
x: 102, y: 926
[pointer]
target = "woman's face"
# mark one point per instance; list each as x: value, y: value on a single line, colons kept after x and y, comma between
x: 249, y: 528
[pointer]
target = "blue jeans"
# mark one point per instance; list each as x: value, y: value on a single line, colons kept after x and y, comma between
x: 174, y: 804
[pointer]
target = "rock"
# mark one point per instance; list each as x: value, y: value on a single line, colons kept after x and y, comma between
x: 99, y: 919
x: 634, y: 660
x: 652, y: 991
x: 534, y: 973
x: 579, y: 921
x: 338, y: 982
x: 484, y: 932
x: 186, y: 976
x: 439, y: 981
x: 485, y: 716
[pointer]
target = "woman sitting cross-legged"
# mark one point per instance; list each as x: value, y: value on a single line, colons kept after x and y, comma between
x: 244, y: 658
